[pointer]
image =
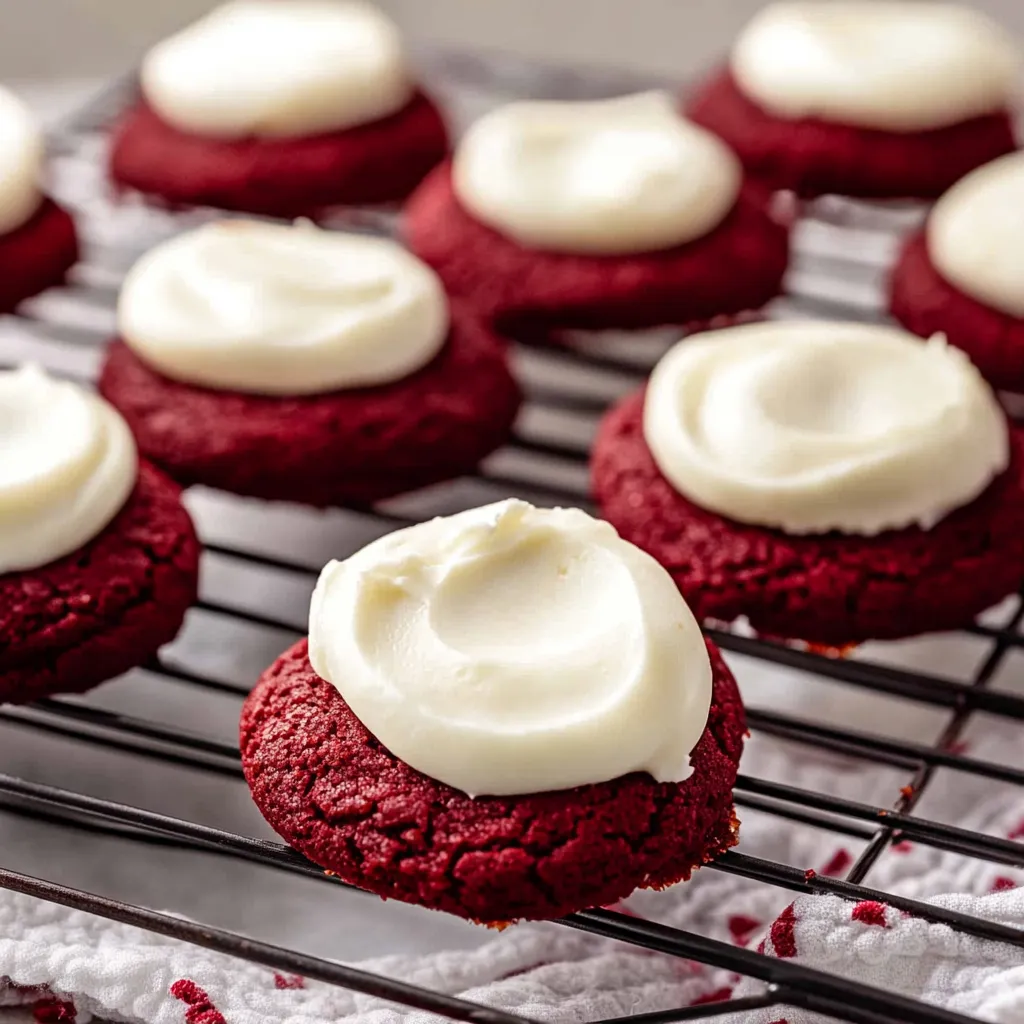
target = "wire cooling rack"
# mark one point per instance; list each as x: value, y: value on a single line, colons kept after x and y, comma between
x: 260, y: 564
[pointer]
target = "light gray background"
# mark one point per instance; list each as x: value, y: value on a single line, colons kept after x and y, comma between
x: 45, y: 38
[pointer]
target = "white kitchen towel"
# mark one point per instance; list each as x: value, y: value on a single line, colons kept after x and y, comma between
x: 73, y: 967
x: 876, y: 945
x: 66, y: 966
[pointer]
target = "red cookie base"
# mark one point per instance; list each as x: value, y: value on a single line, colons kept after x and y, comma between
x: 37, y: 256
x: 330, y: 790
x: 373, y: 163
x: 737, y: 267
x: 813, y: 157
x: 924, y: 302
x: 340, y: 448
x: 829, y: 588
x: 105, y: 608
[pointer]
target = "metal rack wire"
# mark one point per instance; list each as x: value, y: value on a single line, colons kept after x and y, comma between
x: 566, y: 391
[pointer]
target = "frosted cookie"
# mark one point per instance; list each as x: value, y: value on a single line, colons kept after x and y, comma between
x: 832, y: 482
x: 611, y: 214
x: 38, y: 242
x: 280, y: 109
x: 303, y: 365
x: 98, y: 557
x: 508, y: 713
x: 963, y: 273
x: 885, y: 99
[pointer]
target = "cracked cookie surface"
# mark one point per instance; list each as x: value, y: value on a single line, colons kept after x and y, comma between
x: 105, y: 608
x: 334, y: 793
x: 37, y: 255
x: 378, y: 162
x: 926, y: 303
x: 344, y: 447
x: 737, y: 266
x: 813, y: 157
x: 829, y: 588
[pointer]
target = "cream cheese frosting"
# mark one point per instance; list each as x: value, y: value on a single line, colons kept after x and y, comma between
x: 510, y: 649
x: 278, y: 68
x: 67, y: 465
x: 282, y: 310
x: 603, y: 178
x: 21, y: 163
x: 894, y: 65
x: 975, y: 234
x: 811, y: 427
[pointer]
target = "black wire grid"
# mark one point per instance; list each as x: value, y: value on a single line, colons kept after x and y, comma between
x: 546, y: 462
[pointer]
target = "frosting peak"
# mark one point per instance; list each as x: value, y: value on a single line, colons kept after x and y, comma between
x: 890, y: 64
x: 67, y: 465
x: 21, y: 163
x: 279, y: 68
x: 811, y: 427
x: 509, y: 649
x: 975, y: 234
x: 271, y: 309
x: 606, y: 177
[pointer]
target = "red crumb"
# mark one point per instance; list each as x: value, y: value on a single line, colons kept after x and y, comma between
x: 53, y: 1011
x: 200, y: 1009
x: 782, y: 933
x: 830, y: 651
x: 870, y: 912
x: 719, y: 995
x: 840, y: 861
x: 740, y: 927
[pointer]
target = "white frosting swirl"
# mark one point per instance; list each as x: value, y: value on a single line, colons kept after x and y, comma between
x: 811, y: 427
x: 510, y: 649
x: 895, y: 65
x: 611, y: 176
x: 273, y: 68
x: 278, y: 310
x: 975, y: 234
x: 21, y: 163
x: 67, y: 465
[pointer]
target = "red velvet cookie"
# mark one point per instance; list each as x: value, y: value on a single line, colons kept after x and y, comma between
x: 37, y: 255
x: 828, y: 588
x: 333, y: 792
x: 105, y: 608
x: 377, y: 162
x: 813, y: 157
x: 738, y: 266
x: 344, y: 447
x: 926, y: 303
